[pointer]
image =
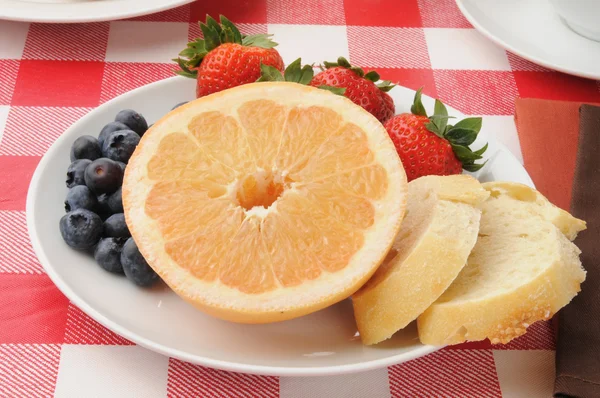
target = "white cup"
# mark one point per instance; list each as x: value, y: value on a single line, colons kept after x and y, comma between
x: 582, y: 16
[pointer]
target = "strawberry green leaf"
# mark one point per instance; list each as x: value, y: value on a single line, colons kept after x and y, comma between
x: 417, y: 107
x: 307, y: 74
x: 212, y: 38
x: 293, y: 72
x: 236, y: 35
x: 185, y: 71
x: 358, y: 71
x: 471, y: 123
x: 473, y: 167
x: 328, y: 65
x: 335, y: 90
x: 481, y: 150
x: 432, y: 127
x: 343, y: 62
x: 213, y: 24
x: 260, y: 40
x: 440, y: 108
x: 386, y: 86
x: 464, y: 154
x: 372, y: 76
x: 269, y: 74
x: 460, y: 136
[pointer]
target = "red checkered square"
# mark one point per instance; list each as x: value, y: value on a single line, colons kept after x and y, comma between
x: 9, y: 69
x: 518, y: 63
x: 32, y: 310
x: 447, y: 373
x: 73, y: 42
x: 81, y: 329
x: 178, y: 14
x: 249, y: 11
x: 325, y: 12
x: 383, y: 13
x: 556, y: 86
x: 15, y: 174
x: 388, y: 47
x: 58, y: 83
x: 28, y: 370
x: 24, y: 134
x: 16, y: 253
x: 442, y: 14
x: 121, y: 77
x: 245, y: 28
x: 477, y: 92
x: 411, y: 78
x: 188, y: 380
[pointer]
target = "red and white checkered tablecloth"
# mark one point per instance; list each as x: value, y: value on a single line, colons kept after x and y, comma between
x: 51, y: 75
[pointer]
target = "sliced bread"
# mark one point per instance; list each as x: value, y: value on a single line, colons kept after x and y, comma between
x: 436, y: 236
x: 523, y: 268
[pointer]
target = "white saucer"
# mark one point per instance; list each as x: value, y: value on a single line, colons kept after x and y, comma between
x: 323, y: 343
x: 533, y: 30
x: 81, y: 10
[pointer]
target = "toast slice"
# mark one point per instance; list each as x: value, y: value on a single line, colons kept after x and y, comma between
x: 436, y: 236
x: 523, y: 269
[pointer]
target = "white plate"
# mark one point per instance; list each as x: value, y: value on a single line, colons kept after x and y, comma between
x: 534, y: 31
x: 319, y: 344
x: 81, y: 10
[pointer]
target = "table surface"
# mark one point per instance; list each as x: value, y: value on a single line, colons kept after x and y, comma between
x: 51, y: 75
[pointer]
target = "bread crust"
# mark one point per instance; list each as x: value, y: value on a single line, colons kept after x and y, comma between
x: 507, y: 315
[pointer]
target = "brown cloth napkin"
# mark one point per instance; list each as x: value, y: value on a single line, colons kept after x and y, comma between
x: 578, y: 344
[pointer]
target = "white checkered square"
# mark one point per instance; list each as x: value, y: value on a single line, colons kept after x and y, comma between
x: 3, y: 116
x: 111, y: 371
x: 464, y: 49
x: 314, y: 43
x: 525, y: 373
x: 380, y: 47
x: 12, y: 39
x: 372, y: 384
x: 146, y: 41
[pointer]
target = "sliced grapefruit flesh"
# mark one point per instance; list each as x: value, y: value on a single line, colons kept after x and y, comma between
x: 265, y: 202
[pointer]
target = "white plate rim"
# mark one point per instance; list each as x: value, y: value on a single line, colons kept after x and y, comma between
x: 175, y: 353
x: 523, y: 54
x: 69, y: 12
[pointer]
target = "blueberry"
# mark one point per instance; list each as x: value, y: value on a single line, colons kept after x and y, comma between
x: 80, y: 197
x: 81, y: 229
x: 133, y: 120
x: 123, y: 165
x: 76, y: 172
x: 119, y: 146
x: 135, y: 266
x: 179, y: 104
x: 110, y: 128
x: 115, y: 202
x: 103, y: 208
x: 108, y: 254
x: 115, y: 226
x: 103, y: 176
x: 85, y: 147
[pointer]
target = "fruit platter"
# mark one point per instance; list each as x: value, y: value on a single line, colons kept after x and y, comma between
x: 302, y: 221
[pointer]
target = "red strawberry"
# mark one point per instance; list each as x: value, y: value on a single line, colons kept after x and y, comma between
x: 429, y: 145
x: 359, y: 87
x: 225, y: 58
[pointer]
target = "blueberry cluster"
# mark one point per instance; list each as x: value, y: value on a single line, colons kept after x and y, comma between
x: 95, y: 221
